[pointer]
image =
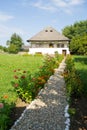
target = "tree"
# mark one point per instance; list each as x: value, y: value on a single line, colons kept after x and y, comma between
x: 15, y: 43
x: 13, y: 49
x: 77, y: 33
x: 78, y: 45
x: 78, y: 28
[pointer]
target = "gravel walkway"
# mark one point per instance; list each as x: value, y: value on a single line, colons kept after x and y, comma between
x: 47, y: 111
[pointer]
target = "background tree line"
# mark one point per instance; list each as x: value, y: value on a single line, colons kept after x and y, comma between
x: 77, y: 33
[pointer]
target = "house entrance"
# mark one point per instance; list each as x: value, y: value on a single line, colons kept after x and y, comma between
x: 64, y: 52
x: 51, y: 45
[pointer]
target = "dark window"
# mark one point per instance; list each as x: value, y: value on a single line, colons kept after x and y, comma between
x: 51, y: 30
x: 46, y: 30
x: 58, y: 45
x: 51, y: 45
x: 62, y: 45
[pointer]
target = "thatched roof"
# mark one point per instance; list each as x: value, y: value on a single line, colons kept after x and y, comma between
x: 48, y: 34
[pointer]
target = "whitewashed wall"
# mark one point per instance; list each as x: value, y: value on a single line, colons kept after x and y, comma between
x: 48, y: 50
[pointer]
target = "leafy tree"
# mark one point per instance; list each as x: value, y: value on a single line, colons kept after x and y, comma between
x: 78, y: 28
x: 15, y: 43
x: 78, y: 45
x: 77, y: 33
x: 13, y: 49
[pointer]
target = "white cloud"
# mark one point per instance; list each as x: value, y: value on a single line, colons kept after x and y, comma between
x: 76, y: 2
x: 66, y: 3
x: 5, y: 17
x: 41, y: 5
x: 66, y: 6
x: 57, y: 5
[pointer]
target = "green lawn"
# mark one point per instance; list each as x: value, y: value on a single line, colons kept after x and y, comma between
x: 9, y: 63
x: 81, y: 67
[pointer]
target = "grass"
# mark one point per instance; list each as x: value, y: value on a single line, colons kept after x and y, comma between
x: 9, y: 63
x: 81, y: 67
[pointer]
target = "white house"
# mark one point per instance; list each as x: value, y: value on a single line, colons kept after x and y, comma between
x: 49, y: 41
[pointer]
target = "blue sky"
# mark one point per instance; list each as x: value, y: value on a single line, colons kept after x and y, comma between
x: 27, y: 17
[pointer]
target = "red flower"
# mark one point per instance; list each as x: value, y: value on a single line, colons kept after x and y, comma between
x: 16, y: 85
x: 5, y: 96
x: 16, y: 77
x: 23, y: 77
x: 1, y: 105
x: 33, y: 79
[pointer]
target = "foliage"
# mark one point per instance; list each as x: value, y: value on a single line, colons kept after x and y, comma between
x: 15, y: 43
x: 81, y: 68
x: 13, y: 49
x: 77, y: 33
x: 78, y: 45
x: 2, y: 48
x: 27, y: 85
x: 72, y: 111
x: 77, y: 29
x: 73, y: 82
x: 5, y: 110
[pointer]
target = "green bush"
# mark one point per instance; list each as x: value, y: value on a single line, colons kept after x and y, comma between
x: 73, y: 83
x: 5, y: 110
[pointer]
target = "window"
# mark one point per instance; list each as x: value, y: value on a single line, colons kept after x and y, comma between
x: 58, y: 45
x: 51, y: 45
x: 51, y: 30
x: 46, y: 30
x: 62, y: 45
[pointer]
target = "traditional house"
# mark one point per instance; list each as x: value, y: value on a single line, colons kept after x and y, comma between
x: 49, y: 41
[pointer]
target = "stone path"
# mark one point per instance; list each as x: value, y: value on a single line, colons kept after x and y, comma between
x: 47, y: 111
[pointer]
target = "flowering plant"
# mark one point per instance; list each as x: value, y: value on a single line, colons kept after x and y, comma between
x: 28, y: 85
x: 5, y: 110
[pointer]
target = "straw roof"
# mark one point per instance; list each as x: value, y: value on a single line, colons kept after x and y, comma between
x: 48, y: 34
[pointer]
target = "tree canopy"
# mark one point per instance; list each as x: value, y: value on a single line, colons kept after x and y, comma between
x: 77, y: 33
x: 15, y: 43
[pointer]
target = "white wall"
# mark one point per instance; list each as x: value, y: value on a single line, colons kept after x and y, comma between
x: 48, y: 50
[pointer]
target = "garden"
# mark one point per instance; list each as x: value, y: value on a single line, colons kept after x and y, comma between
x: 22, y: 77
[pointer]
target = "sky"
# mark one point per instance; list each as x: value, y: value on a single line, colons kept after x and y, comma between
x: 28, y: 17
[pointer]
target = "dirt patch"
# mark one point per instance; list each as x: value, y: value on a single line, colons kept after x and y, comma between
x: 79, y: 120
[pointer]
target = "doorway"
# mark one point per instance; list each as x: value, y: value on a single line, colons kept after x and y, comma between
x: 64, y: 52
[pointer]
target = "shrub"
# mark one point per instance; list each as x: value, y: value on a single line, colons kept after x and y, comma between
x: 73, y: 83
x: 5, y: 110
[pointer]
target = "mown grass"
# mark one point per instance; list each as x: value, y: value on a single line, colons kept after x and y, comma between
x: 81, y: 67
x: 9, y: 63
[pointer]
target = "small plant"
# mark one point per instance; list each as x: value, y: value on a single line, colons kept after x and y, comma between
x: 5, y: 109
x: 72, y: 111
